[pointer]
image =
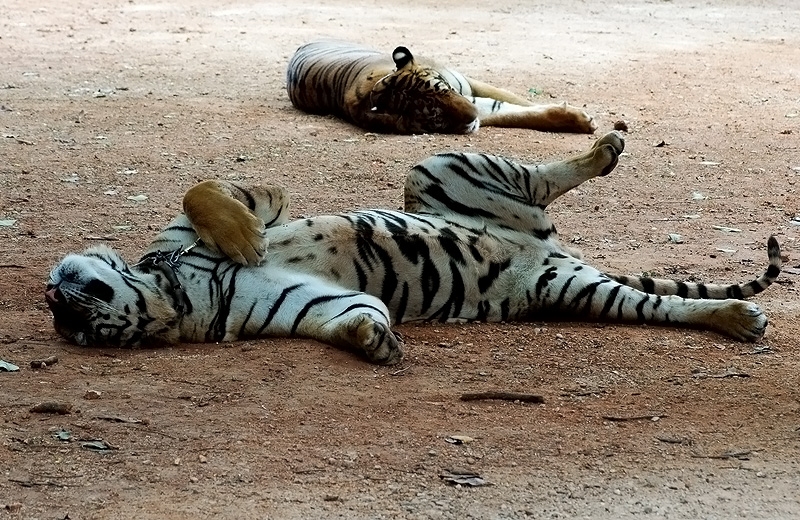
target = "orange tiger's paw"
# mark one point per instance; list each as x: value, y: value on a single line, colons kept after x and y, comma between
x: 567, y: 118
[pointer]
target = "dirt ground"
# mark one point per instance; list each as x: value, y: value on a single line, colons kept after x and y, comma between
x: 103, y: 101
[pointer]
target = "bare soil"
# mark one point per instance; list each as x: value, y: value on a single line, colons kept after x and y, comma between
x: 102, y: 101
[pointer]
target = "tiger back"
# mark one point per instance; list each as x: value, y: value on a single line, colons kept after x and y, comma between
x: 376, y: 92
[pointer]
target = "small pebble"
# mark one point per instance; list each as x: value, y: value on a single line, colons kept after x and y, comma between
x: 91, y: 394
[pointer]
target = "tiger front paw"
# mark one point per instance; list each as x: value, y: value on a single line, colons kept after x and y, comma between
x: 378, y: 341
x: 242, y: 238
x: 224, y: 224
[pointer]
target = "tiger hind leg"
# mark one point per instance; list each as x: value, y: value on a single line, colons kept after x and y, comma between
x: 499, y: 107
x: 580, y: 291
x: 497, y: 189
x: 546, y: 118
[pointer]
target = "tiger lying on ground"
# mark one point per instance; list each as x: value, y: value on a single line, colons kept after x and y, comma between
x: 410, y: 95
x: 474, y: 244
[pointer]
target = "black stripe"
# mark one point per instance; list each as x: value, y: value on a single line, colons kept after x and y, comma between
x: 619, y: 308
x: 251, y: 202
x: 495, y: 268
x: 246, y: 319
x: 438, y: 193
x: 400, y: 312
x: 734, y: 291
x: 483, y: 310
x: 773, y: 271
x: 640, y: 308
x: 562, y: 294
x: 360, y: 306
x: 612, y: 295
x: 455, y: 301
x: 450, y: 242
x: 362, y: 276
x: 314, y: 302
x: 277, y: 216
x: 504, y: 309
x: 550, y: 274
x: 276, y: 306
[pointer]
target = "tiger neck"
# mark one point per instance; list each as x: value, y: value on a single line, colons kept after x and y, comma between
x: 168, y: 264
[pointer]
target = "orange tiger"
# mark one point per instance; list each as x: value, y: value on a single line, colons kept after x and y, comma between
x: 408, y: 95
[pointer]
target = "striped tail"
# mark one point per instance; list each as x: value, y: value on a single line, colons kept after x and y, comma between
x: 664, y: 287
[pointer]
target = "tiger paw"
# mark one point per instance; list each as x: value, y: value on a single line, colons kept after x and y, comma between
x: 378, y: 341
x: 224, y: 224
x: 607, y: 149
x: 240, y: 238
x: 567, y: 118
x: 742, y: 320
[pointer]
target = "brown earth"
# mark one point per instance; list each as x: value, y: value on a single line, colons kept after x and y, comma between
x: 102, y: 101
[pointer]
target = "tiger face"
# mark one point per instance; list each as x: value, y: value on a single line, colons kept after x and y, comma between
x: 96, y: 299
x: 420, y: 100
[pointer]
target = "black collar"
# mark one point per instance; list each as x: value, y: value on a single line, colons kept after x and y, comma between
x: 168, y: 263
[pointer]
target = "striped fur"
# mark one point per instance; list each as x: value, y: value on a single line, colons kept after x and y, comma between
x: 474, y: 244
x: 407, y: 95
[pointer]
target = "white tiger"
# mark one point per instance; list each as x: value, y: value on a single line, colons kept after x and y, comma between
x: 473, y: 244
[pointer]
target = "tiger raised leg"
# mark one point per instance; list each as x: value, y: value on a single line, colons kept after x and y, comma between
x: 507, y: 197
x: 505, y: 192
x: 231, y: 218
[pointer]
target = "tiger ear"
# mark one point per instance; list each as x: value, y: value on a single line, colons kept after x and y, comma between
x: 402, y: 57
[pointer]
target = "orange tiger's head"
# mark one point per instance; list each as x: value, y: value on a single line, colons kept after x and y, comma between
x: 422, y: 100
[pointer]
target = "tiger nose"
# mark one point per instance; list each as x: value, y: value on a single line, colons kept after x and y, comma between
x: 51, y: 294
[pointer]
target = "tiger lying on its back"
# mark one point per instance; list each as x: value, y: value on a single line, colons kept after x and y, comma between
x: 409, y: 95
x: 474, y: 243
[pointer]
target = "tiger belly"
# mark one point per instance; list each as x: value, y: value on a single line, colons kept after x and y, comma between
x: 422, y: 268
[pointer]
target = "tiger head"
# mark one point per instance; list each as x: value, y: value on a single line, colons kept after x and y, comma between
x: 421, y: 100
x: 96, y: 299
